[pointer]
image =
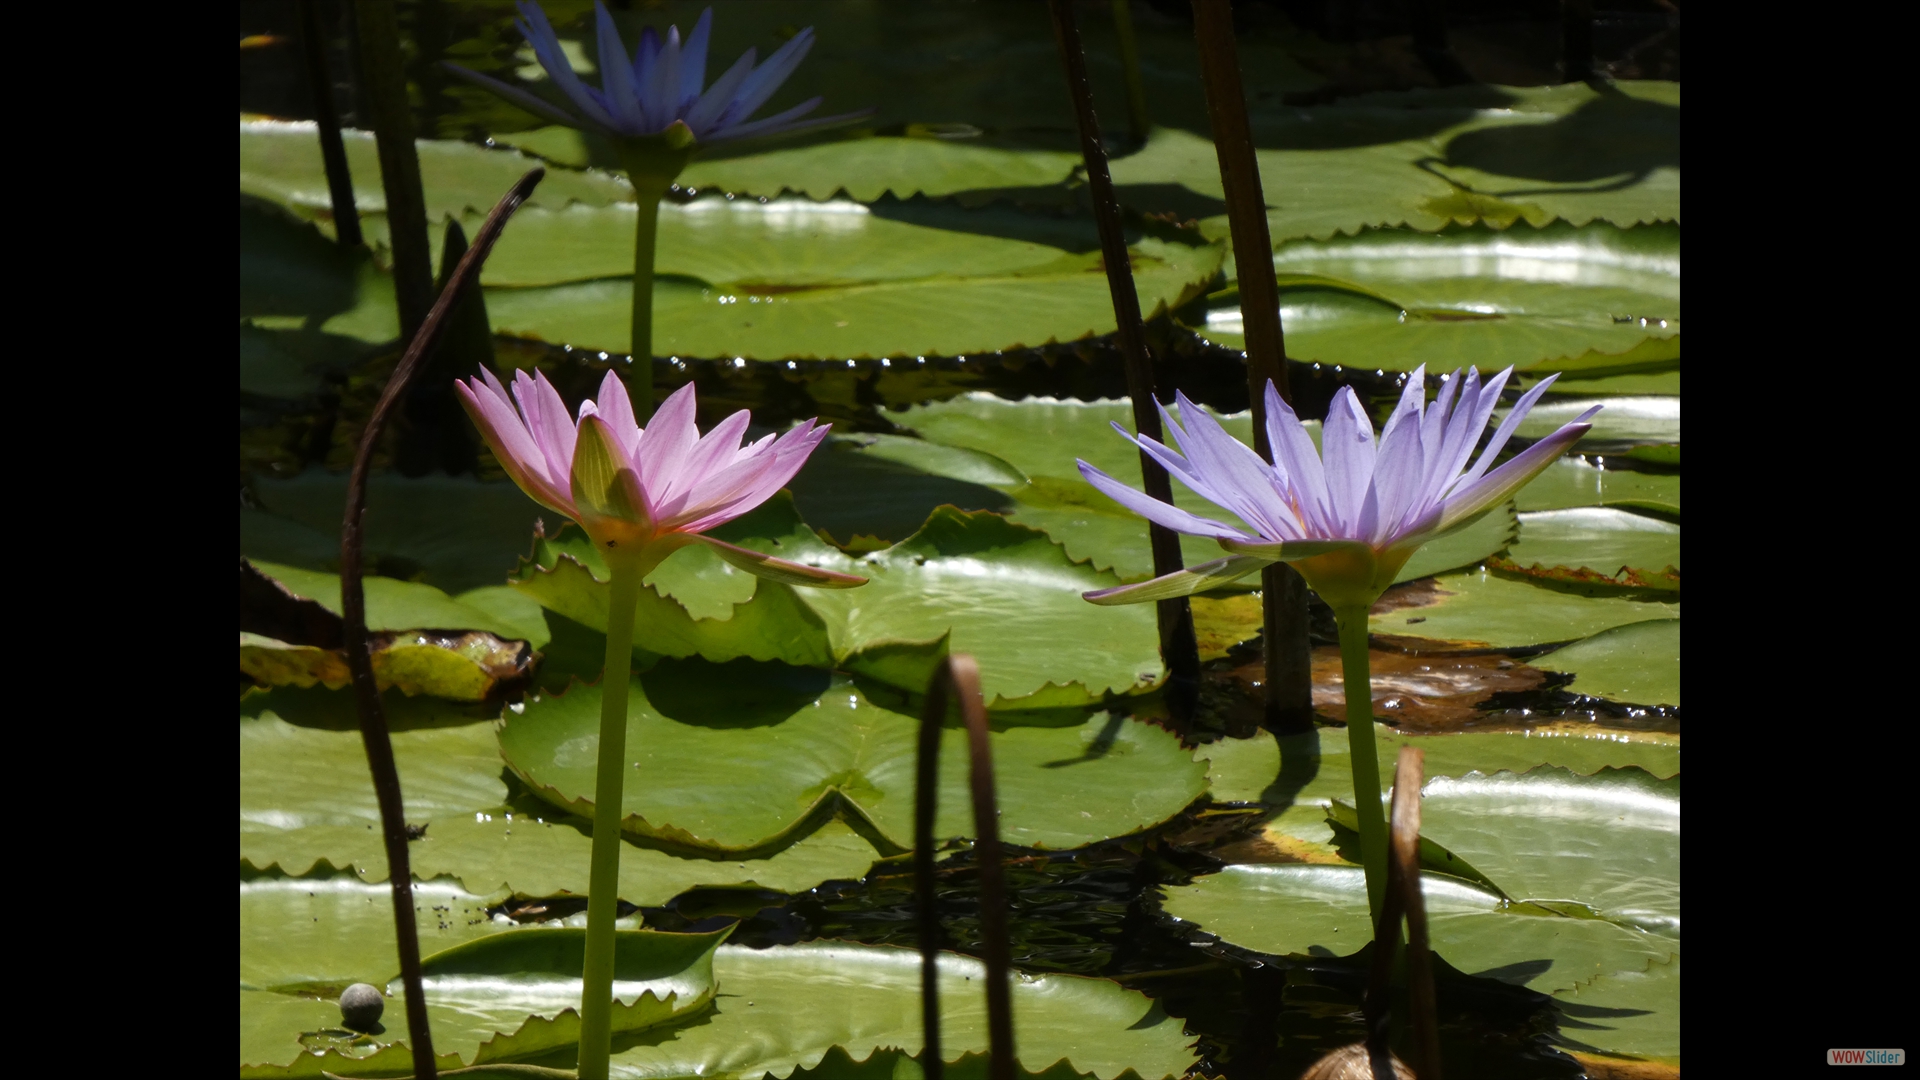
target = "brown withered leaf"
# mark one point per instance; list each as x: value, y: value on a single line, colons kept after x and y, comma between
x: 1627, y: 578
x: 467, y: 666
x: 1415, y: 692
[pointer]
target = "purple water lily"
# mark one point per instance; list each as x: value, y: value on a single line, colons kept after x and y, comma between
x: 1348, y: 518
x: 645, y: 492
x: 660, y: 85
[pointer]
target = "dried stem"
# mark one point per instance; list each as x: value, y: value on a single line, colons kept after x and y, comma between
x: 383, y: 96
x: 1403, y: 899
x: 1178, y: 646
x: 326, y: 117
x: 1289, y: 683
x: 353, y: 609
x: 958, y: 677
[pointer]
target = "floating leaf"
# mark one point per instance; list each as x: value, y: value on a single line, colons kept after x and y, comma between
x: 737, y: 757
x: 1592, y: 862
x: 947, y: 315
x: 1638, y: 663
x: 985, y: 586
x: 1624, y: 1012
x: 1479, y: 608
x: 1395, y: 299
x: 1571, y: 481
x: 1598, y: 547
x: 397, y: 605
x: 505, y: 996
x: 460, y: 667
x: 1622, y: 420
x: 305, y: 798
x: 787, y: 1007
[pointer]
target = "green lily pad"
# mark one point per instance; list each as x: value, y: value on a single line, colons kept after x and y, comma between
x: 1633, y: 1013
x: 508, y: 995
x: 1650, y: 383
x: 1571, y: 481
x: 986, y: 586
x: 1591, y: 862
x: 1597, y: 546
x: 1624, y: 419
x: 280, y: 161
x: 1393, y: 299
x: 306, y: 798
x: 1313, y: 769
x: 455, y: 532
x: 1566, y: 152
x: 1639, y: 663
x: 788, y: 1007
x: 951, y: 314
x: 885, y: 486
x: 1483, y: 609
x: 737, y: 757
x: 403, y: 605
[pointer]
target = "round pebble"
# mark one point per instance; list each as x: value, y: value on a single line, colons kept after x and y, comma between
x: 361, y: 1006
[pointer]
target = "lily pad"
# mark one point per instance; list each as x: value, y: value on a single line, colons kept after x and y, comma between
x: 1597, y: 546
x: 403, y: 605
x: 462, y: 667
x: 280, y: 161
x: 305, y: 799
x: 1591, y: 862
x: 1572, y: 481
x: 1639, y: 663
x: 1567, y: 152
x: 1394, y: 299
x: 737, y: 757
x: 1480, y: 608
x: 862, y: 168
x: 509, y: 995
x: 787, y: 1007
x: 1638, y: 420
x: 951, y: 314
x: 1633, y: 1013
x: 985, y: 586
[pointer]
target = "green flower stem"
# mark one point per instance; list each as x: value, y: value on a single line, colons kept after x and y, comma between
x: 603, y: 883
x: 648, y: 190
x: 1358, y: 680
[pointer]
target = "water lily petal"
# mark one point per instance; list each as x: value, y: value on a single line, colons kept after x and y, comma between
x: 668, y: 438
x: 616, y: 408
x: 1346, y: 443
x: 1179, y: 583
x: 545, y: 110
x: 702, y: 118
x: 548, y: 422
x: 617, y: 75
x: 1474, y: 497
x: 1156, y: 511
x: 693, y: 64
x: 1237, y: 472
x: 660, y: 93
x: 606, y: 492
x: 754, y: 476
x: 512, y: 444
x: 1400, y: 467
x: 766, y: 78
x: 1506, y: 429
x: 546, y: 47
x: 1293, y: 550
x: 780, y: 120
x: 781, y: 570
x: 1297, y: 463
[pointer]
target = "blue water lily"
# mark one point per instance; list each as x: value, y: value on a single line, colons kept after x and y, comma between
x: 660, y: 85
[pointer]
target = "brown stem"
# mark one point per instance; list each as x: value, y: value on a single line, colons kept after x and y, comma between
x: 353, y: 610
x: 1403, y: 899
x: 1178, y: 646
x: 958, y: 677
x: 1288, y: 682
x: 346, y: 216
x: 1404, y: 864
x: 383, y: 100
x: 1139, y: 124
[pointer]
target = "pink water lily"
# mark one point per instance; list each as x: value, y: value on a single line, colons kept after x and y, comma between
x: 1349, y: 518
x: 642, y: 493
